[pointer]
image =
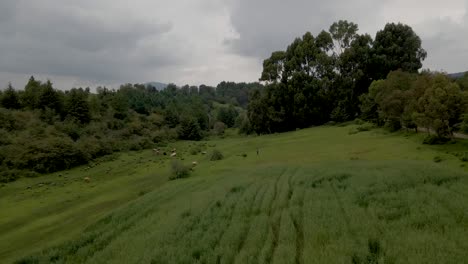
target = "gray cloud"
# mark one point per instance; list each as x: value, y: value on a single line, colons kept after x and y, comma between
x: 264, y: 26
x: 57, y: 38
x: 204, y: 41
x: 268, y: 25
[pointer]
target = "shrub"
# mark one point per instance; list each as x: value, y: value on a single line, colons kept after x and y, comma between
x: 7, y: 175
x: 47, y: 155
x: 358, y: 121
x: 195, y: 150
x: 216, y: 155
x: 364, y: 128
x: 435, y: 140
x: 361, y: 128
x: 179, y: 170
x: 464, y: 156
x: 219, y: 128
x: 437, y: 159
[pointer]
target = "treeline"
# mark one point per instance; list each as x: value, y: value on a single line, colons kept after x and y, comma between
x: 321, y: 78
x: 430, y: 101
x: 43, y: 129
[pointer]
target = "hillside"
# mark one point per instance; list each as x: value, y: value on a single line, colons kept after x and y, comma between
x: 321, y: 195
x: 457, y: 75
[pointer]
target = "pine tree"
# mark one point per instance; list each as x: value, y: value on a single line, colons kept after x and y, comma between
x: 10, y: 98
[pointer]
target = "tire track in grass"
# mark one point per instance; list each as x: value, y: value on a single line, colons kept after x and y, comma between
x: 259, y: 229
x: 345, y: 216
x: 172, y: 240
x: 231, y: 240
x: 266, y: 252
x: 229, y: 220
x: 282, y: 203
x: 456, y: 216
x: 249, y: 218
x: 298, y: 220
x: 275, y: 193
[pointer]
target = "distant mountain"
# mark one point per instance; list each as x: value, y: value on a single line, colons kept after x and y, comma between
x: 159, y: 86
x: 456, y: 75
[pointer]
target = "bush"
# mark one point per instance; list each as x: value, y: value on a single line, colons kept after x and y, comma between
x: 7, y: 175
x: 437, y: 159
x: 464, y: 156
x: 358, y: 129
x: 179, y: 170
x: 219, y: 128
x: 46, y: 155
x: 393, y: 125
x: 435, y: 140
x: 195, y: 150
x: 216, y: 155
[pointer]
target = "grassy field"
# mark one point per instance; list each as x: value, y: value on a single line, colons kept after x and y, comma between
x: 320, y: 195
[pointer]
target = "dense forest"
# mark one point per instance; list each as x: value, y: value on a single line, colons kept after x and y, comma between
x: 336, y: 76
x: 324, y: 78
x: 43, y: 129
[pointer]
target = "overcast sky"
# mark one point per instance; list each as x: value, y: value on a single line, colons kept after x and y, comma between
x: 109, y: 42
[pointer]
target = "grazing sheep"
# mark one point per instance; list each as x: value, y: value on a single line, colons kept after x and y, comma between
x: 87, y: 179
x: 194, y: 163
x: 173, y: 154
x: 203, y: 152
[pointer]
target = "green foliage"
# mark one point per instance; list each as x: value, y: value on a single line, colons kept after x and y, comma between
x: 435, y: 140
x: 195, y: 150
x: 50, y: 98
x: 46, y: 130
x: 324, y: 78
x: 227, y: 115
x: 189, y: 129
x: 219, y: 128
x: 10, y: 99
x: 397, y: 47
x: 179, y: 170
x: 216, y: 155
x: 77, y: 107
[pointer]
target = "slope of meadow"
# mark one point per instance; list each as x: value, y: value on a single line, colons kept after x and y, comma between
x: 318, y: 195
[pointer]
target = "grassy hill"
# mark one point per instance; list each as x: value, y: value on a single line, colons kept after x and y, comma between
x: 319, y: 195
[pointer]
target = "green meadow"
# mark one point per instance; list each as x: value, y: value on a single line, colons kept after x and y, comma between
x: 318, y: 195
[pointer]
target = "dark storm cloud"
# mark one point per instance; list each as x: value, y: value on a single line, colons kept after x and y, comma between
x: 58, y: 38
x: 268, y: 25
x: 264, y: 26
x: 197, y: 41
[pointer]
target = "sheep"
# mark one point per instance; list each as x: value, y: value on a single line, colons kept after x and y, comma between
x: 173, y: 154
x: 87, y: 179
x: 194, y: 163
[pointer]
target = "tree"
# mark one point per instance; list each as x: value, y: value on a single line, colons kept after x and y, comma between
x: 463, y: 82
x: 344, y: 33
x: 392, y: 98
x: 273, y: 67
x: 397, y: 47
x: 10, y: 98
x: 77, y: 107
x: 189, y: 129
x: 31, y: 94
x: 227, y: 115
x: 442, y: 106
x: 49, y: 98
